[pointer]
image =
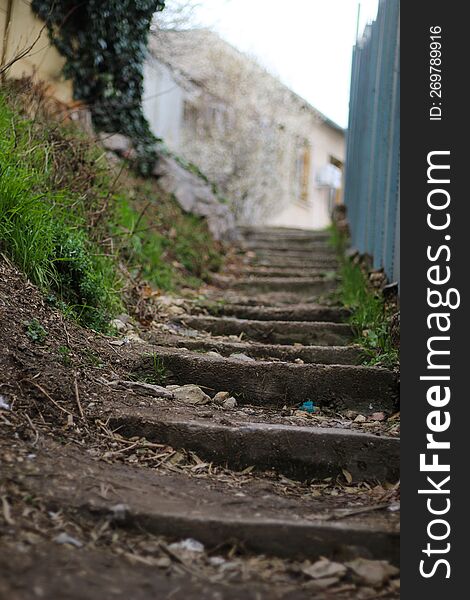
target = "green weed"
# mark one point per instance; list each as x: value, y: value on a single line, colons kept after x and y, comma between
x: 156, y: 375
x: 35, y: 331
x: 79, y: 236
x: 369, y: 315
x: 64, y: 353
x: 42, y: 225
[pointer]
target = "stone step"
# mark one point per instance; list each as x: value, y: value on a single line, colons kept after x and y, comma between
x: 275, y: 384
x: 325, y: 355
x: 315, y: 246
x: 302, y: 453
x: 267, y: 233
x: 273, y: 332
x: 324, y: 255
x: 279, y: 298
x: 251, y: 271
x: 295, y: 312
x: 276, y: 260
x: 177, y: 506
x: 302, y: 286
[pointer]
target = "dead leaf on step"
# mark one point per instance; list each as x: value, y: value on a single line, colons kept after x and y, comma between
x: 176, y: 458
x: 347, y: 475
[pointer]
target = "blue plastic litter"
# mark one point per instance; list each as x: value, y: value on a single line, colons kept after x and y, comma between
x: 308, y: 406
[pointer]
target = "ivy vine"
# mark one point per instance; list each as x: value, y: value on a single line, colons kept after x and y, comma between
x: 104, y: 44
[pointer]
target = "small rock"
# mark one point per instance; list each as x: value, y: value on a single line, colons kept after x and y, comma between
x: 189, y: 544
x: 140, y: 387
x: 350, y: 414
x: 372, y: 572
x: 3, y: 403
x: 133, y: 337
x: 241, y: 356
x: 230, y: 403
x: 163, y: 562
x: 122, y: 342
x: 119, y: 512
x: 377, y: 416
x: 360, y: 419
x: 324, y: 568
x: 299, y: 361
x: 191, y: 394
x: 215, y: 354
x: 65, y: 538
x: 216, y: 561
x: 119, y: 325
x: 220, y: 398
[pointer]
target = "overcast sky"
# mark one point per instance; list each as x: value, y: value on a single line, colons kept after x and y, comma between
x: 306, y: 43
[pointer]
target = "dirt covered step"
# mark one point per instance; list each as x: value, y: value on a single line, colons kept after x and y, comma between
x: 302, y: 286
x: 326, y: 355
x: 364, y: 389
x: 273, y: 332
x: 249, y: 271
x: 278, y: 244
x: 294, y: 312
x: 266, y: 233
x: 178, y: 506
x: 325, y: 255
x: 279, y: 259
x: 302, y: 453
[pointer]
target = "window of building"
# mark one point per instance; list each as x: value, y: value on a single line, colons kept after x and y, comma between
x: 302, y: 169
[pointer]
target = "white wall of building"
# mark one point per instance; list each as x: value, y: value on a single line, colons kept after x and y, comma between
x: 290, y: 201
x: 163, y: 103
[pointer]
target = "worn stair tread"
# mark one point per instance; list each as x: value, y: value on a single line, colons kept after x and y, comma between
x: 88, y: 575
x: 269, y: 298
x: 302, y: 286
x: 282, y: 260
x: 179, y: 506
x: 275, y: 332
x: 283, y: 233
x: 365, y: 389
x: 302, y: 453
x: 252, y: 271
x: 312, y: 247
x: 294, y: 312
x: 332, y: 355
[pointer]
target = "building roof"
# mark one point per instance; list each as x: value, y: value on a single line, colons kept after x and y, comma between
x: 191, y: 53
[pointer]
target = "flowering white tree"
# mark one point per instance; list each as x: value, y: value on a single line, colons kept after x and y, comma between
x: 242, y: 127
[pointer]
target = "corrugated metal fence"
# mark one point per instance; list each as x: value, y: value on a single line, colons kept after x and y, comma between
x: 372, y: 188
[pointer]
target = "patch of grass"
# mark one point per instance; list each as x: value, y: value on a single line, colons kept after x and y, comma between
x: 91, y: 358
x: 337, y: 240
x: 35, y: 331
x: 161, y: 244
x: 87, y: 233
x: 156, y: 375
x: 64, y: 353
x: 43, y: 222
x: 369, y: 315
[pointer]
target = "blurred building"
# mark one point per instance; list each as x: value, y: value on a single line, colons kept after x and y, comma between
x: 22, y: 33
x: 276, y: 158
